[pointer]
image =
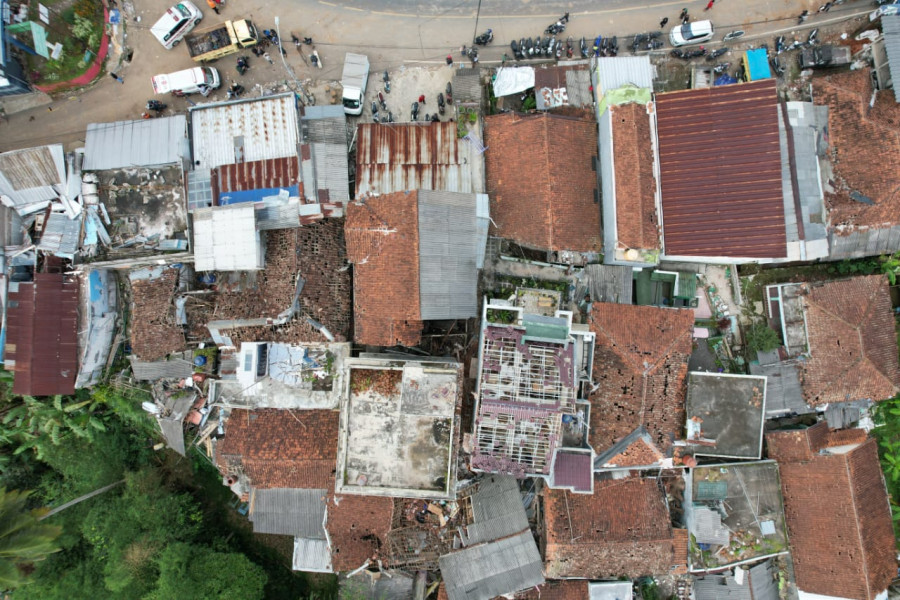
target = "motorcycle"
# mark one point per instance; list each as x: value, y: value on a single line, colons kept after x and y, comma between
x: 314, y: 57
x: 472, y: 53
x: 555, y: 28
x: 569, y: 50
x: 242, y: 65
x: 777, y: 67
x: 676, y: 53
x: 414, y: 113
x: 701, y: 51
x: 515, y: 49
x: 803, y: 16
x: 440, y: 100
x: 485, y: 38
x: 779, y: 44
x: 387, y: 82
x: 813, y: 38
x: 381, y: 100
x: 156, y: 106
x: 374, y: 111
x: 716, y: 54
x: 584, y: 48
x: 235, y: 91
x: 721, y: 68
x: 449, y: 93
x: 733, y: 35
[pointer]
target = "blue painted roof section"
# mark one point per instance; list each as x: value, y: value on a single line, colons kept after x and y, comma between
x: 758, y: 63
x: 725, y: 80
x: 226, y: 198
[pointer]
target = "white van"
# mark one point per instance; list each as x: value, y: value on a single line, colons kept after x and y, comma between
x: 189, y: 81
x: 177, y: 21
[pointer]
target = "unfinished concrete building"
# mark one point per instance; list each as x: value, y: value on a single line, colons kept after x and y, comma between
x: 528, y: 386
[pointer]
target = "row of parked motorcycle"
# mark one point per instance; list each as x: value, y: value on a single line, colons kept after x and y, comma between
x: 381, y: 113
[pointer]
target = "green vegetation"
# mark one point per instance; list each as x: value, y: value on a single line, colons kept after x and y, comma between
x: 80, y: 29
x: 761, y: 338
x: 23, y: 538
x: 498, y: 315
x: 887, y: 431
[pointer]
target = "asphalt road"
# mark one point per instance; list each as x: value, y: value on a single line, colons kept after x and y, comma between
x: 395, y: 34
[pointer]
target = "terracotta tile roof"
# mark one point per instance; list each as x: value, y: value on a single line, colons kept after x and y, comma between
x: 640, y: 453
x: 383, y: 245
x: 622, y: 529
x: 42, y: 335
x: 864, y: 144
x: 357, y: 529
x: 154, y: 333
x: 682, y: 538
x: 838, y: 517
x: 574, y: 589
x: 541, y: 181
x: 852, y: 344
x: 640, y: 364
x: 637, y: 224
x: 281, y: 448
x: 720, y: 171
x: 804, y: 444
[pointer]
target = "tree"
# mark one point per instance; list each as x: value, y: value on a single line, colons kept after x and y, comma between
x: 761, y: 338
x: 23, y: 539
x: 33, y: 422
x: 191, y: 572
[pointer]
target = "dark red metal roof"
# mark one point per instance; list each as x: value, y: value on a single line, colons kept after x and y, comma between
x: 42, y: 335
x: 256, y: 175
x: 720, y: 172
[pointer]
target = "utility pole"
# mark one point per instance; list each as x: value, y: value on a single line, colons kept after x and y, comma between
x: 305, y: 96
x: 477, y: 16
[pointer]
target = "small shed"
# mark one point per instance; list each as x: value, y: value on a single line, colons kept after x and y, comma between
x: 756, y: 64
x: 226, y: 239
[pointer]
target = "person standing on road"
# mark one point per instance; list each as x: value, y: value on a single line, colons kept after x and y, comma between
x: 268, y: 58
x: 683, y: 14
x: 117, y: 78
x: 663, y: 22
x: 450, y: 59
x: 422, y: 99
x: 212, y: 4
x: 710, y: 5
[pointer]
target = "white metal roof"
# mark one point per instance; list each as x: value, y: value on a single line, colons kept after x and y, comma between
x: 32, y: 177
x: 243, y: 131
x: 614, y: 72
x: 140, y: 143
x: 226, y: 239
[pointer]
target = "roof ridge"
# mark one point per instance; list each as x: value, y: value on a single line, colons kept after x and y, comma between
x: 549, y: 180
x: 865, y: 572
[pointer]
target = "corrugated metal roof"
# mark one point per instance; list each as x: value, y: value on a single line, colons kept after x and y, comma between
x: 573, y: 470
x: 173, y: 433
x: 177, y: 368
x: 256, y: 175
x: 12, y: 232
x: 717, y: 587
x: 762, y: 581
x: 61, y: 235
x: 708, y: 528
x: 720, y: 168
x: 31, y: 177
x: 42, y: 337
x: 324, y: 124
x: 332, y: 173
x: 140, y: 143
x: 610, y: 590
x: 448, y: 251
x: 890, y: 26
x: 609, y: 283
x: 400, y: 157
x: 497, y: 510
x: 226, y: 239
x: 489, y: 570
x: 243, y: 131
x: 289, y: 511
x: 278, y: 216
x: 312, y: 555
x: 614, y: 72
x: 784, y: 395
x: 467, y: 86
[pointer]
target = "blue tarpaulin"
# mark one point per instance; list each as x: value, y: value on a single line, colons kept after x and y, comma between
x: 226, y: 198
x: 756, y: 64
x: 724, y: 80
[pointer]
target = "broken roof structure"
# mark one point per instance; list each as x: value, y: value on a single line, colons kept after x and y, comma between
x: 32, y: 178
x: 527, y: 384
x: 759, y: 582
x: 416, y: 257
x: 835, y: 498
x: 623, y: 529
x: 640, y: 363
x: 634, y: 451
x: 561, y: 85
x: 488, y: 570
x: 138, y: 143
x: 41, y: 335
x: 734, y: 513
x: 864, y: 152
x: 154, y: 330
x: 399, y: 425
x: 559, y: 208
x: 726, y: 414
x: 226, y: 238
x: 720, y: 173
x: 846, y: 328
x: 98, y: 316
x: 400, y: 157
x: 224, y: 133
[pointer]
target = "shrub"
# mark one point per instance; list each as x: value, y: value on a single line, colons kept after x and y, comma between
x: 762, y: 338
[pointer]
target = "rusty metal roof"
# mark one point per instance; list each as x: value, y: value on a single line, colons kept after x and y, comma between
x: 720, y: 172
x: 42, y: 336
x: 400, y: 157
x: 256, y: 175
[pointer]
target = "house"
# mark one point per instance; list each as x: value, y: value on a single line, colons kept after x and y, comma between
x: 835, y: 498
x: 284, y: 463
x: 845, y: 330
x: 416, y: 257
x: 725, y: 415
x: 576, y: 589
x: 529, y: 421
x: 756, y: 583
x: 541, y: 172
x: 622, y: 529
x: 734, y: 515
x: 41, y: 335
x: 721, y: 174
x: 640, y: 365
x: 629, y: 161
x: 862, y: 155
x: 563, y: 86
x: 153, y: 327
x: 399, y: 427
x: 401, y: 157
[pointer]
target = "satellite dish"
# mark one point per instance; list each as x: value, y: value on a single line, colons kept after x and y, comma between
x: 151, y: 408
x: 631, y: 254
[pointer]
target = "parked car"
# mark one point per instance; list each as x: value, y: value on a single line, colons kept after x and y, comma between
x: 221, y: 40
x: 824, y: 56
x: 177, y: 21
x: 189, y: 81
x: 691, y: 33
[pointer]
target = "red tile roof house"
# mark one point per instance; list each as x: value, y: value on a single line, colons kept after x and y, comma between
x: 623, y: 529
x: 837, y: 512
x: 640, y: 364
x: 628, y: 164
x: 42, y: 337
x: 542, y: 181
x: 279, y: 452
x: 720, y: 174
x: 848, y: 330
x: 864, y: 152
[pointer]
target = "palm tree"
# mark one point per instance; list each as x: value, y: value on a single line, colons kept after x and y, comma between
x: 23, y: 539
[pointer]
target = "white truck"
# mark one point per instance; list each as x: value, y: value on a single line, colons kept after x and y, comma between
x: 354, y: 79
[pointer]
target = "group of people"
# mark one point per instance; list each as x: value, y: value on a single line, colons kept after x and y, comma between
x: 684, y: 16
